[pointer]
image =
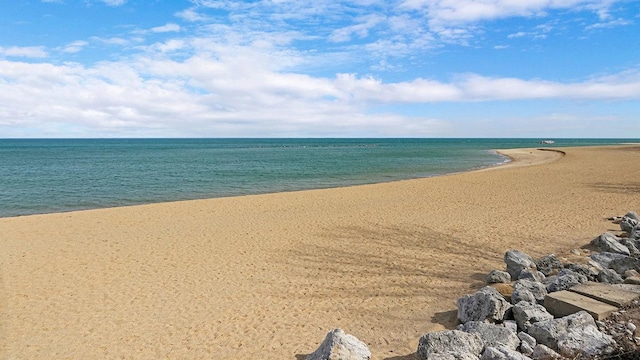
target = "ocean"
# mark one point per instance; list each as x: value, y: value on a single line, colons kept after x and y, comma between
x: 58, y: 175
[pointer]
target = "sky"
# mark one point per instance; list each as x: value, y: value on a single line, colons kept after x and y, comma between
x: 317, y: 68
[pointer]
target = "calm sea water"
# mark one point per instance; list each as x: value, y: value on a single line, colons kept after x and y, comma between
x: 43, y: 176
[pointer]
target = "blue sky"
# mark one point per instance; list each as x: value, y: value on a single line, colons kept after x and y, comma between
x: 351, y: 68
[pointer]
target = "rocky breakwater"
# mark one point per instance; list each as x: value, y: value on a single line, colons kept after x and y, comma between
x: 546, y: 308
x: 550, y: 308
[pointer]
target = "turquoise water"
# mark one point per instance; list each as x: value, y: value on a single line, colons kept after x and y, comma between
x: 44, y: 176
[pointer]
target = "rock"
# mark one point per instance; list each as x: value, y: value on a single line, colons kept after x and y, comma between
x: 526, y: 349
x: 631, y: 245
x: 528, y: 290
x: 624, y: 264
x: 542, y: 352
x: 594, y: 265
x: 527, y: 314
x: 583, y: 271
x: 563, y: 282
x: 517, y: 261
x: 453, y: 342
x: 630, y: 273
x: 632, y: 280
x: 497, y: 276
x: 609, y: 276
x: 608, y: 242
x: 502, y: 353
x: 605, y: 258
x: 582, y: 278
x: 492, y: 335
x: 528, y: 339
x: 511, y: 325
x: 585, y: 341
x: 632, y: 215
x: 628, y: 224
x: 531, y: 274
x: 635, y: 235
x: 340, y: 346
x: 548, y: 264
x: 549, y: 332
x: 549, y: 280
x: 485, y: 304
x: 453, y: 356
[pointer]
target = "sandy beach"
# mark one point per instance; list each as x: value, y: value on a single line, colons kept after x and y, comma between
x: 267, y: 276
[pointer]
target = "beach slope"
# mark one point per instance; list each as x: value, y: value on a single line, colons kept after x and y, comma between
x: 268, y: 276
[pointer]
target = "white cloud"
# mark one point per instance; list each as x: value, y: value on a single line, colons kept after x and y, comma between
x: 247, y: 91
x: 245, y: 76
x: 170, y: 27
x: 191, y: 15
x: 456, y: 11
x: 74, y: 47
x: 609, y: 24
x: 114, y: 2
x: 24, y: 51
x: 517, y: 35
x: 361, y: 29
x: 111, y: 41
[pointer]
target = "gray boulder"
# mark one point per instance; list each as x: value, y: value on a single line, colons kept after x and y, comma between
x: 632, y: 215
x: 585, y: 342
x: 452, y: 342
x: 531, y: 274
x: 527, y: 343
x: 340, y: 346
x: 527, y: 339
x: 526, y: 349
x: 517, y: 261
x: 631, y: 244
x: 487, y: 304
x: 608, y: 242
x: 511, y: 325
x: 527, y: 314
x: 497, y: 277
x: 609, y: 276
x: 542, y: 352
x: 584, y: 272
x: 549, y: 332
x: 453, y: 356
x: 502, y: 353
x: 528, y: 290
x: 581, y: 277
x: 605, y: 258
x: 492, y: 335
x: 624, y: 264
x: 628, y: 225
x: 563, y: 282
x: 549, y: 264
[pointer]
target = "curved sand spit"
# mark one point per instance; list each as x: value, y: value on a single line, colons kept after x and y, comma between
x: 267, y: 276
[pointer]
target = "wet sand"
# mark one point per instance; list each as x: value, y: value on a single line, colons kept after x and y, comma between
x: 267, y: 276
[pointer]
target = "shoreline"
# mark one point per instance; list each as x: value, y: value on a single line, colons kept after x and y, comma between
x: 518, y: 157
x: 204, y: 278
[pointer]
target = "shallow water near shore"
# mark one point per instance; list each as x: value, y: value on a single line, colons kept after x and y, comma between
x: 58, y: 175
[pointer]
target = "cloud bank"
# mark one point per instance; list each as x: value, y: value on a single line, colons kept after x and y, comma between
x: 250, y: 69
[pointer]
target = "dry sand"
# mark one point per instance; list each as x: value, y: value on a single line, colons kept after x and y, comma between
x: 267, y: 276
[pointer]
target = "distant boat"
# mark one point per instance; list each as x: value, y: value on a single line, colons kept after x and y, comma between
x: 547, y: 142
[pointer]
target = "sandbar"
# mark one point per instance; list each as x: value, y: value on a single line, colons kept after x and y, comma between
x: 267, y: 276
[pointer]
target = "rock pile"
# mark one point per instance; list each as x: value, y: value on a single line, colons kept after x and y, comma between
x: 508, y: 320
x: 509, y: 314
